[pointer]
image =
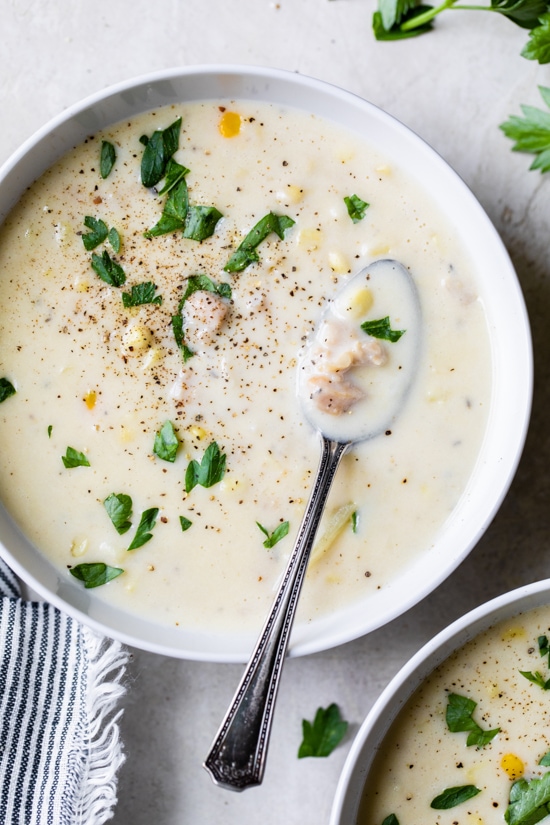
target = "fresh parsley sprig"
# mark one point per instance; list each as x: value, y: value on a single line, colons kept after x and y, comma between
x: 246, y: 254
x: 143, y: 532
x: 209, y: 471
x: 95, y: 573
x: 321, y: 736
x: 275, y: 536
x: 531, y: 133
x: 529, y: 801
x: 6, y: 389
x: 74, y: 458
x: 144, y: 293
x: 459, y: 718
x: 166, y: 443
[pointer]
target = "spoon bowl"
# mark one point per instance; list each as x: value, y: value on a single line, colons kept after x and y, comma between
x: 237, y: 757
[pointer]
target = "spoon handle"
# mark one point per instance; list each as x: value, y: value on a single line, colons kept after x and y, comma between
x: 237, y: 757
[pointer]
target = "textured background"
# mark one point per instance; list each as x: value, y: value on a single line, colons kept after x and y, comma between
x: 453, y: 87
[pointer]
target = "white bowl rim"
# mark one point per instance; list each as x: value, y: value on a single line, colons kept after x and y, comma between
x: 327, y: 635
x: 409, y: 677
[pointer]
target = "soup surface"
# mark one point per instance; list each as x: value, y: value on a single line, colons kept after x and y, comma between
x: 153, y: 436
x: 492, y: 694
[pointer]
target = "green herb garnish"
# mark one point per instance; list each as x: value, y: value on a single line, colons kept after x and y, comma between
x: 74, y: 458
x: 532, y: 132
x: 381, y: 328
x: 200, y: 222
x: 146, y: 524
x: 107, y: 269
x: 451, y: 797
x: 545, y: 760
x: 119, y: 508
x: 391, y: 820
x: 179, y: 335
x: 322, y: 736
x: 210, y: 470
x: 459, y: 718
x: 354, y: 521
x: 356, y: 207
x: 107, y: 158
x: 141, y: 294
x: 529, y: 801
x: 202, y: 283
x: 159, y: 149
x: 114, y: 239
x: 50, y: 429
x: 196, y: 222
x: 96, y: 573
x: 185, y: 523
x: 537, y: 678
x: 97, y: 234
x: 246, y: 253
x: 273, y: 538
x: 6, y: 389
x: 166, y: 442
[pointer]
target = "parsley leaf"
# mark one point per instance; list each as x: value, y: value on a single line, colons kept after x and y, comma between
x: 159, y: 148
x: 175, y: 172
x: 545, y: 760
x: 6, y: 389
x: 107, y: 269
x: 141, y: 294
x: 185, y: 523
x: 459, y: 718
x: 97, y: 234
x: 146, y: 524
x: 166, y: 442
x: 273, y: 538
x: 393, y: 11
x: 96, y: 573
x: 246, y: 254
x: 119, y: 509
x: 538, y: 47
x: 391, y: 820
x: 451, y: 797
x: 356, y: 207
x: 74, y: 458
x: 209, y: 471
x: 322, y: 736
x: 177, y: 329
x: 200, y: 222
x: 529, y: 801
x: 381, y: 328
x: 537, y: 678
x: 525, y: 13
x: 532, y: 132
x: 114, y: 239
x: 202, y: 283
x: 107, y: 158
x: 407, y: 26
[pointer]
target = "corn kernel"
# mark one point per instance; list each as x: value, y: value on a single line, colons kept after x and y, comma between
x: 338, y: 262
x: 230, y: 124
x: 136, y: 339
x: 198, y: 432
x: 309, y: 239
x: 152, y: 357
x: 291, y: 194
x: 90, y: 399
x: 81, y: 283
x: 79, y: 547
x: 381, y: 249
x: 354, y: 305
x: 512, y: 765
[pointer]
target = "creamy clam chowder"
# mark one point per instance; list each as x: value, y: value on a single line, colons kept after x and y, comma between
x: 152, y: 444
x: 472, y: 745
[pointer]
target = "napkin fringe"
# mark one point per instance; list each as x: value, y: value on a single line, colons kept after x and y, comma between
x: 98, y: 790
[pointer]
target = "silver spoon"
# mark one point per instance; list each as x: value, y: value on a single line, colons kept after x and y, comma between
x: 237, y: 757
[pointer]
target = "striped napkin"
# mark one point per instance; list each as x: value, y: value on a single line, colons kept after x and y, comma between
x: 60, y: 683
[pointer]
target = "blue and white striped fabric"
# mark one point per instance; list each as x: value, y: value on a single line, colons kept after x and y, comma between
x: 59, y: 739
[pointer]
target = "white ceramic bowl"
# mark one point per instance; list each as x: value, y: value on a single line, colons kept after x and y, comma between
x: 409, y: 678
x: 512, y: 357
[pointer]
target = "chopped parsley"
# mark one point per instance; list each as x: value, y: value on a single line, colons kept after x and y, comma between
x: 185, y: 523
x: 356, y: 207
x: 321, y: 736
x: 537, y: 678
x: 97, y: 234
x: 531, y: 132
x: 141, y: 294
x: 529, y: 801
x: 273, y: 538
x: 166, y: 442
x: 119, y: 508
x: 158, y: 151
x: 458, y: 716
x: 210, y: 470
x: 6, y: 389
x: 391, y: 820
x: 74, y: 458
x: 381, y: 328
x: 179, y: 335
x: 96, y: 573
x: 108, y: 270
x: 107, y: 158
x: 246, y: 254
x: 143, y: 532
x: 451, y: 797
